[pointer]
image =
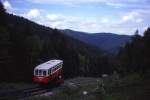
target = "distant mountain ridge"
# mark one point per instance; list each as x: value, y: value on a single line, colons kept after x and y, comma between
x: 106, y: 41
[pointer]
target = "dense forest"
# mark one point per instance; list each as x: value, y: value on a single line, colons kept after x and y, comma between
x: 135, y: 56
x: 25, y: 44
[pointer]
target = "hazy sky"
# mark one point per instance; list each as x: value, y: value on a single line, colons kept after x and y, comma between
x: 116, y: 16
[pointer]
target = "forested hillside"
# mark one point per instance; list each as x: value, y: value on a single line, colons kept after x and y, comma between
x: 135, y: 56
x: 25, y: 44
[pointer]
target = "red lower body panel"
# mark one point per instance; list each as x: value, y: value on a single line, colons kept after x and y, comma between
x: 41, y: 79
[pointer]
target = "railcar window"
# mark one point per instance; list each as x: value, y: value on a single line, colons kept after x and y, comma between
x: 49, y: 72
x: 44, y: 73
x: 52, y: 70
x: 55, y: 68
x: 40, y: 72
x: 36, y: 72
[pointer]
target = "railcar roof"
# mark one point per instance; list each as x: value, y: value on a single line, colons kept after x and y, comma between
x: 48, y: 64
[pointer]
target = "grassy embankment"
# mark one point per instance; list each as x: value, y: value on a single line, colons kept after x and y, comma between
x: 131, y: 87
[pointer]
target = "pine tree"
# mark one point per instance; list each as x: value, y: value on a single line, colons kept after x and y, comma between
x: 2, y: 13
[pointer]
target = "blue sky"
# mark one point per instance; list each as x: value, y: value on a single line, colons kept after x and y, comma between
x: 116, y: 16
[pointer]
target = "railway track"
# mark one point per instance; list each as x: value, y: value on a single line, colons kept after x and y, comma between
x: 24, y: 93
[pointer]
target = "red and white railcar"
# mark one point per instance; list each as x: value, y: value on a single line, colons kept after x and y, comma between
x: 50, y: 71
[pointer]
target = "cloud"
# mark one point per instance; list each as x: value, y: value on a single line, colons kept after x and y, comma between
x: 87, y: 1
x: 54, y: 20
x: 139, y: 20
x: 104, y: 20
x: 9, y: 8
x: 133, y: 16
x: 116, y: 5
x: 32, y: 14
x: 130, y: 16
x: 7, y: 5
x: 55, y: 17
x: 67, y: 22
x: 87, y: 25
x: 113, y: 3
x: 80, y: 24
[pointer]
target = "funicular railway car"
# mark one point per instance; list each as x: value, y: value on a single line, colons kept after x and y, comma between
x: 49, y: 72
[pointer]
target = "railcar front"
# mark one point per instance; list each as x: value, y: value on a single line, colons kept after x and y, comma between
x: 41, y: 76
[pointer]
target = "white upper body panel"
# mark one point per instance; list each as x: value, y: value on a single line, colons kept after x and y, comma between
x: 49, y: 64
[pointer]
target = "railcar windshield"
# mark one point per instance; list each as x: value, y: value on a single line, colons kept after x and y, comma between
x: 44, y: 73
x: 40, y: 72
